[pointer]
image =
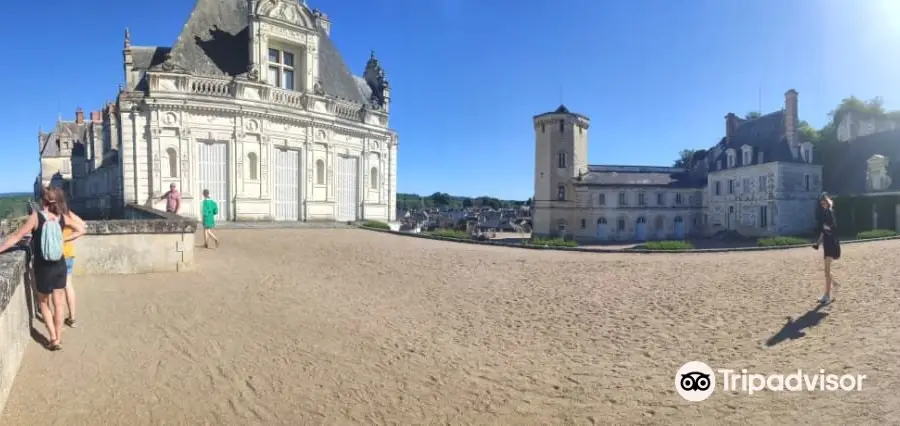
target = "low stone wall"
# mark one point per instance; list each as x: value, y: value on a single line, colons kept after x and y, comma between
x: 145, y: 241
x: 15, y: 331
x: 602, y: 250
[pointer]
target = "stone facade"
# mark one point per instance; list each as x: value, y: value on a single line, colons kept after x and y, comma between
x: 856, y: 125
x: 759, y: 180
x: 273, y: 125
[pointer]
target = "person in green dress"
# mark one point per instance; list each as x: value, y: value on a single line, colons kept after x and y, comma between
x: 210, y: 210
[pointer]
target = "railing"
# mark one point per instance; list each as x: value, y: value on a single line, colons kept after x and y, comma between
x: 223, y: 88
x: 287, y: 97
x: 211, y: 87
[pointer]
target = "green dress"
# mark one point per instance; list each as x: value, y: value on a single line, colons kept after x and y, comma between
x: 210, y: 210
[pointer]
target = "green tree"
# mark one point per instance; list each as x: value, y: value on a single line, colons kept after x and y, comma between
x: 752, y: 115
x: 684, y: 158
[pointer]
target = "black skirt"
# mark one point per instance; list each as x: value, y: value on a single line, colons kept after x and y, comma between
x: 49, y: 276
x: 831, y: 247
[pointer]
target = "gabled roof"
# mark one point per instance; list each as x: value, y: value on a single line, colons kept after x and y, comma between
x: 215, y: 42
x: 64, y: 131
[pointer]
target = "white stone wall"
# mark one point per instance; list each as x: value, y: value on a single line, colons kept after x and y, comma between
x: 256, y: 133
x: 785, y: 199
x: 752, y: 188
x: 583, y: 217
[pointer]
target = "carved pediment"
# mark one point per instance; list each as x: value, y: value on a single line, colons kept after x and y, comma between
x: 290, y: 12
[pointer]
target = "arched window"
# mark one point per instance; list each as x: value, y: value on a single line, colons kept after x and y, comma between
x: 641, y: 220
x: 252, y: 166
x: 373, y: 178
x: 562, y: 160
x: 678, y: 219
x: 172, y: 157
x: 320, y: 172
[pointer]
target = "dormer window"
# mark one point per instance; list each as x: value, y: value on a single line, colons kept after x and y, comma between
x: 806, y: 152
x: 747, y: 155
x: 732, y: 158
x: 281, y: 69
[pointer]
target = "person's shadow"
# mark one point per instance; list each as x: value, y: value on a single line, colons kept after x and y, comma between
x: 794, y: 328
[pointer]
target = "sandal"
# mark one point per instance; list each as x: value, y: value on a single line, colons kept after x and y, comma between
x: 53, y: 347
x: 70, y: 322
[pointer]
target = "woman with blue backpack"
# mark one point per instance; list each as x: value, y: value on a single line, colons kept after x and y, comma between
x: 45, y: 226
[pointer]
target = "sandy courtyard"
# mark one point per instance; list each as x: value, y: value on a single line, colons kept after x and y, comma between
x: 299, y: 326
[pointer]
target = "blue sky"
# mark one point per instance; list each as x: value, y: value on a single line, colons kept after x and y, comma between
x: 655, y: 76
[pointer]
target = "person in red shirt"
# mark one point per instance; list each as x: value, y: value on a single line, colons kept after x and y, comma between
x: 173, y: 200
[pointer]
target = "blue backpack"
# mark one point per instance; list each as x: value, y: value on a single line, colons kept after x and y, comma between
x: 51, y: 239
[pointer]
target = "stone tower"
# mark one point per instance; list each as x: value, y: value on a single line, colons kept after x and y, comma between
x: 560, y: 156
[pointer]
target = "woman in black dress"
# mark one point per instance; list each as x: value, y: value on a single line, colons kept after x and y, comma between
x: 49, y: 276
x: 831, y: 247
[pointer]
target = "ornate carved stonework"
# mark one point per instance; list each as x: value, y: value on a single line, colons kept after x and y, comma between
x: 170, y: 118
x: 252, y: 125
x: 263, y: 171
x: 286, y: 33
x: 239, y: 136
x: 253, y: 72
x: 321, y: 135
x: 185, y: 132
x: 156, y: 163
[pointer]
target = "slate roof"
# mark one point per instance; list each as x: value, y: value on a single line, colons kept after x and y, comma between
x: 652, y: 176
x: 64, y: 131
x: 765, y: 134
x: 145, y: 57
x: 215, y: 40
x: 562, y: 110
x: 849, y: 176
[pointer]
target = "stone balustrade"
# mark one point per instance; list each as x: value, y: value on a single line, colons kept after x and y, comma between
x: 245, y: 90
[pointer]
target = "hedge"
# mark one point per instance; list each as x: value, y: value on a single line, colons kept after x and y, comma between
x: 781, y: 241
x: 376, y: 224
x: 669, y: 245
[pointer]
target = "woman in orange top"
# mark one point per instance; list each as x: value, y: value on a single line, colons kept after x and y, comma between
x: 68, y: 254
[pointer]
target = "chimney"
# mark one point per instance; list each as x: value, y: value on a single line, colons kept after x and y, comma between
x: 791, y: 121
x: 96, y: 117
x: 731, y: 123
x: 79, y: 116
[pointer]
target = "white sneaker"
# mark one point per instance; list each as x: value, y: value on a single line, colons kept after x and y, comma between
x: 825, y: 299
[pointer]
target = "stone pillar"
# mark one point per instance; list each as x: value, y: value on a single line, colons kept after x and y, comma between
x: 126, y: 157
x: 185, y: 146
x: 265, y: 151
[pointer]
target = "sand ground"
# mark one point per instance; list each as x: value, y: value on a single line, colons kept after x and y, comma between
x: 290, y: 327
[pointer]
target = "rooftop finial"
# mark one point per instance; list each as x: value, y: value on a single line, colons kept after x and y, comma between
x: 127, y: 38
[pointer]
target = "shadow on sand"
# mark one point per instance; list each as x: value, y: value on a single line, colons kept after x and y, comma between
x: 794, y: 329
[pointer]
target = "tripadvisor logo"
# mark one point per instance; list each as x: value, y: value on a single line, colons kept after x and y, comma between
x: 695, y: 381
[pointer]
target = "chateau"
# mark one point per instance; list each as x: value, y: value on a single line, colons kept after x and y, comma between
x: 254, y: 103
x: 758, y: 180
